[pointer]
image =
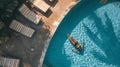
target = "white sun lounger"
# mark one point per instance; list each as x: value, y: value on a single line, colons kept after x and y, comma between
x: 29, y: 14
x: 9, y: 62
x: 41, y: 5
x: 17, y: 26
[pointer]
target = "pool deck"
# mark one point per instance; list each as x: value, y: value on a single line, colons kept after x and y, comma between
x: 31, y: 51
x: 58, y: 13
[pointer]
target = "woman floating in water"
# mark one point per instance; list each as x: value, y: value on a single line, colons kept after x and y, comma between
x: 75, y: 44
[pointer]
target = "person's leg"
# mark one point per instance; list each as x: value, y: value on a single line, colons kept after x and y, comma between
x: 103, y: 1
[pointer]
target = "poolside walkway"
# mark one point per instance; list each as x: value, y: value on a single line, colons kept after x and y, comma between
x: 58, y: 12
x: 31, y: 51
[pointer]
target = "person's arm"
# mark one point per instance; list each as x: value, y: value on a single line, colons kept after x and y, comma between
x: 75, y: 51
x: 82, y: 44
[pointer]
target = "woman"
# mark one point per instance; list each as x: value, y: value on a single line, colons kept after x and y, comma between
x: 75, y: 44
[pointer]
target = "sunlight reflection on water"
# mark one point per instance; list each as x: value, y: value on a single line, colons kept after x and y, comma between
x: 87, y: 59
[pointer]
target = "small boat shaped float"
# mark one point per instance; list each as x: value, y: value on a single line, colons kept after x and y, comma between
x: 75, y: 44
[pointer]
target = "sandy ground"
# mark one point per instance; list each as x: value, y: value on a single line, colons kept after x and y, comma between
x: 58, y: 12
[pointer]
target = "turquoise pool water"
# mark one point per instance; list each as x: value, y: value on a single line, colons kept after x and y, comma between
x: 98, y: 25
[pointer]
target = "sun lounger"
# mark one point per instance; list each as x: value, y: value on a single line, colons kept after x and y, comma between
x: 17, y: 26
x: 29, y: 14
x: 9, y: 62
x: 41, y: 5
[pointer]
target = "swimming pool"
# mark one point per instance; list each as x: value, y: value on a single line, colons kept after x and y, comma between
x: 98, y: 25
